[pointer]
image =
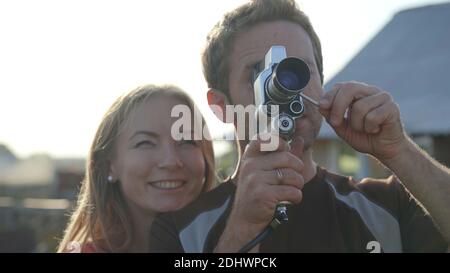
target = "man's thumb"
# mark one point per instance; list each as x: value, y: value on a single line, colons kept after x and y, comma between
x: 297, y: 146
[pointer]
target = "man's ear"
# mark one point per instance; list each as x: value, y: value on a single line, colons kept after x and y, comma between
x: 218, y: 101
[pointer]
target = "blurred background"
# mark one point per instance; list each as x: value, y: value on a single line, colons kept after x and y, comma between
x: 62, y: 63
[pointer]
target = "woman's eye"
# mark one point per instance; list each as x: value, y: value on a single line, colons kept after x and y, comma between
x: 188, y: 142
x: 145, y: 143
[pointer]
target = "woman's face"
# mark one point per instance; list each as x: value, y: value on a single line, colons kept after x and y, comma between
x: 156, y: 172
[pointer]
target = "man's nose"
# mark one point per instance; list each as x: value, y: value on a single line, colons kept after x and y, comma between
x: 170, y: 158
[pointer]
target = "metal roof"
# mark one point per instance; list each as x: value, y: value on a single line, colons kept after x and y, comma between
x: 409, y: 58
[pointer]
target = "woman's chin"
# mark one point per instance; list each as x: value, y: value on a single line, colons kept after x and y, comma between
x: 170, y: 206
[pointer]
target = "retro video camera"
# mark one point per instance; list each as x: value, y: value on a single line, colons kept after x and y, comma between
x: 279, y: 81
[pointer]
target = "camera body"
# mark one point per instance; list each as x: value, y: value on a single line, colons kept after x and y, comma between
x: 278, y: 81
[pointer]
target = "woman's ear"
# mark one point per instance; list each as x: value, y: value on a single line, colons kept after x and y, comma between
x: 218, y: 101
x: 113, y: 175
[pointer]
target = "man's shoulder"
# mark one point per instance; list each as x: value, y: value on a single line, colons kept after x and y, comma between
x: 371, y: 187
x: 387, y: 194
x: 343, y: 184
x: 382, y: 187
x: 214, y: 201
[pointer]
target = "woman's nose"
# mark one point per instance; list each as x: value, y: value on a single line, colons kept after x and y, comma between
x: 170, y: 158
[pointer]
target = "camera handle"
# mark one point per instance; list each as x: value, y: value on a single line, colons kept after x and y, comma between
x: 280, y: 212
x: 280, y: 217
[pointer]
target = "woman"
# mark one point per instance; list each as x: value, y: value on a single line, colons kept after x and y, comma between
x: 136, y: 168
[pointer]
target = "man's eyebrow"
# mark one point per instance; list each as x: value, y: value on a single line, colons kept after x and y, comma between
x: 260, y: 63
x: 143, y: 132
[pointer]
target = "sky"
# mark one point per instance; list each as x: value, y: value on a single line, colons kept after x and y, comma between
x: 63, y: 63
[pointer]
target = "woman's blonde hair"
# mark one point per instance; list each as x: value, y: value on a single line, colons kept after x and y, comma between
x: 101, y: 216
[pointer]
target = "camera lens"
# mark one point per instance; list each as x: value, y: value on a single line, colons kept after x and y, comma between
x: 289, y: 79
x: 291, y: 75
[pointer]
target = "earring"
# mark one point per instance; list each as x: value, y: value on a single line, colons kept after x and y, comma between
x: 110, y: 179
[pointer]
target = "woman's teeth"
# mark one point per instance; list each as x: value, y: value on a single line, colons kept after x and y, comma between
x: 167, y: 184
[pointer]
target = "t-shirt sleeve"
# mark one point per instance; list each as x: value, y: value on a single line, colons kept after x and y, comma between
x: 164, y: 236
x: 418, y: 230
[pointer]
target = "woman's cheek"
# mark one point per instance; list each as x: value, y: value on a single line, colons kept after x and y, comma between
x: 137, y: 170
x: 195, y: 164
x: 141, y: 162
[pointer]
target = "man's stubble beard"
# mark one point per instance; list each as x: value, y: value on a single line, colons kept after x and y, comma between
x: 315, y: 121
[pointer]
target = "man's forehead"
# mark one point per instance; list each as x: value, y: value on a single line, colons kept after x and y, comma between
x: 251, y: 45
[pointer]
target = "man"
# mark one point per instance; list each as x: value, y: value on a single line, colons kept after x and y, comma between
x: 330, y: 213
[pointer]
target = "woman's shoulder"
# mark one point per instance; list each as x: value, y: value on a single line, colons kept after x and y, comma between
x: 76, y: 247
x: 89, y: 248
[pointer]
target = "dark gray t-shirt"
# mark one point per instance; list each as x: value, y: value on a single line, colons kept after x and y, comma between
x: 337, y: 214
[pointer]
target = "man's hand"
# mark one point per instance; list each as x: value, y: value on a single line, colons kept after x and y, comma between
x: 372, y: 124
x: 259, y: 190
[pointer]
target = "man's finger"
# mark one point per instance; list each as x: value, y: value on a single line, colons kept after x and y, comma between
x: 287, y: 193
x: 327, y: 99
x: 275, y: 160
x: 345, y: 97
x: 297, y: 146
x: 361, y: 107
x: 254, y: 147
x: 379, y: 116
x: 287, y: 177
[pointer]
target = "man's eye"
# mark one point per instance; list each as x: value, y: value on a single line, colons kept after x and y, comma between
x: 256, y: 69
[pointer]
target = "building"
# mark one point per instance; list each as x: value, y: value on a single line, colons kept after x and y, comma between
x: 36, y: 195
x: 409, y: 58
